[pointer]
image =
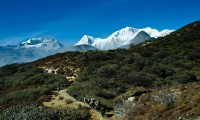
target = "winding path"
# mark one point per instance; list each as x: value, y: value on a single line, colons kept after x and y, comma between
x: 57, y: 102
x: 62, y: 99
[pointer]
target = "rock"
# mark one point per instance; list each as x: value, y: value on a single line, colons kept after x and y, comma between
x: 131, y: 99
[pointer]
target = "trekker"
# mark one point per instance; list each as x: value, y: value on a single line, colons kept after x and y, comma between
x: 102, y: 111
x: 97, y: 105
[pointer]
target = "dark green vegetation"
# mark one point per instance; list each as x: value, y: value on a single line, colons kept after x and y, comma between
x: 33, y: 112
x: 25, y: 83
x: 171, y: 60
x: 167, y: 61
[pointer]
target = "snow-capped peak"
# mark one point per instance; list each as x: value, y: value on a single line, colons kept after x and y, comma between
x: 165, y: 32
x: 127, y: 31
x: 151, y: 32
x: 155, y: 33
x: 86, y: 40
x: 125, y: 36
x: 41, y: 43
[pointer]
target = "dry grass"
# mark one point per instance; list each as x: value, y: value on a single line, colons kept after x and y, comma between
x: 166, y: 103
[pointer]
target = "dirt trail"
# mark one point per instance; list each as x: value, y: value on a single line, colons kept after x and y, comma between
x: 95, y: 115
x: 55, y: 102
x: 62, y: 99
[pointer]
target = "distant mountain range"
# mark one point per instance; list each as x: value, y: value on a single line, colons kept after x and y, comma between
x: 41, y: 43
x: 123, y: 37
x: 37, y: 48
x: 34, y: 49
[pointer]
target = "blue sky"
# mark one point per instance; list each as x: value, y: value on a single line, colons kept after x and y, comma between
x: 68, y: 20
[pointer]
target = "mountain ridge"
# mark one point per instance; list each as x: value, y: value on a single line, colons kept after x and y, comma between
x: 36, y: 48
x: 122, y: 37
x: 41, y: 43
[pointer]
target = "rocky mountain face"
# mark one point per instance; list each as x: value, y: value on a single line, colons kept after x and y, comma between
x: 123, y: 37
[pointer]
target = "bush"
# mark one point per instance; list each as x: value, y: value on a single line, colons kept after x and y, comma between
x: 159, y: 70
x: 106, y: 83
x: 108, y: 71
x: 138, y: 79
x: 28, y: 83
x: 24, y: 95
x: 8, y: 70
x: 183, y: 77
x: 82, y: 78
x: 69, y: 101
x: 107, y: 94
x: 33, y: 112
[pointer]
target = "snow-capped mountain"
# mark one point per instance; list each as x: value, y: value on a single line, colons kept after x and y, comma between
x: 29, y: 50
x: 123, y: 37
x: 50, y: 44
x: 34, y: 49
x: 37, y: 48
x: 155, y: 33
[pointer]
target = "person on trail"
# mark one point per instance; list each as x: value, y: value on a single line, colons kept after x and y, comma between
x: 93, y: 99
x: 97, y: 105
x: 58, y: 88
x: 102, y: 111
x: 92, y: 104
x: 85, y: 100
x: 88, y: 101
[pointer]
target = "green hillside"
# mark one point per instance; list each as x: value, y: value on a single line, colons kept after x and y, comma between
x: 168, y: 64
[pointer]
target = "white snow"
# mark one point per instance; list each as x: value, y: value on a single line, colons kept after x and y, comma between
x: 125, y: 36
x: 41, y: 43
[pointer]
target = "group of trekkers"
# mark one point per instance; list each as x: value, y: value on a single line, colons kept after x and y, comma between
x: 93, y: 103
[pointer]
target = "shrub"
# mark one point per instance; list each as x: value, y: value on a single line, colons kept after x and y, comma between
x: 159, y: 70
x: 107, y: 94
x: 106, y: 83
x: 138, y: 79
x: 69, y: 101
x: 108, y: 71
x: 82, y: 78
x: 33, y: 112
x: 60, y: 98
x: 8, y: 69
x: 25, y: 95
x: 183, y: 77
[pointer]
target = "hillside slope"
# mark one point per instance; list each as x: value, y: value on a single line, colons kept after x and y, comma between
x: 170, y: 60
x: 110, y: 75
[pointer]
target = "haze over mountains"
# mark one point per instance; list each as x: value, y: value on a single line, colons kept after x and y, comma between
x: 36, y: 48
x: 30, y: 50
